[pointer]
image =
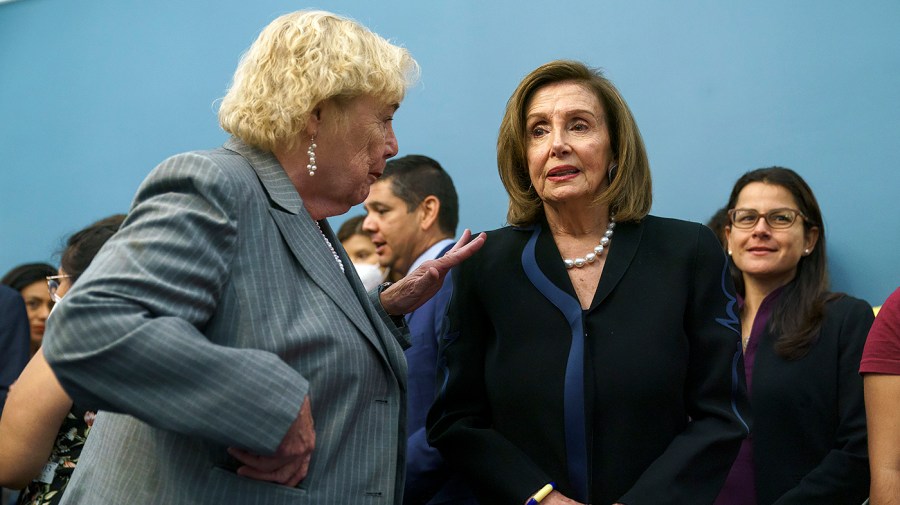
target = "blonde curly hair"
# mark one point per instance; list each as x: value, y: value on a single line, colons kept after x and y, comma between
x: 301, y: 59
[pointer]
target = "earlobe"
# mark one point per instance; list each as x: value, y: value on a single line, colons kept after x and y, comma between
x: 812, y: 237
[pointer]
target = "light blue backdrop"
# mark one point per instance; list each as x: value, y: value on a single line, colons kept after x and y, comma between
x: 93, y: 94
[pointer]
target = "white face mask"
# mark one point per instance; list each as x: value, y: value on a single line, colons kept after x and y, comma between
x: 370, y: 275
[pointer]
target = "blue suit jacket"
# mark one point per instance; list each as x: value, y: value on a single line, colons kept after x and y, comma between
x: 428, y: 479
x: 14, y: 339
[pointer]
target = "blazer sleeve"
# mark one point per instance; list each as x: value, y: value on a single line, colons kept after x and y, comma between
x: 14, y: 340
x: 128, y: 338
x: 843, y: 475
x: 694, y: 466
x: 459, y: 423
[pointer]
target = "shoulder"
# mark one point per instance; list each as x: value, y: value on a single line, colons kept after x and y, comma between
x: 674, y: 237
x: 8, y: 295
x: 216, y: 174
x: 842, y: 305
x: 847, y: 318
x: 213, y: 164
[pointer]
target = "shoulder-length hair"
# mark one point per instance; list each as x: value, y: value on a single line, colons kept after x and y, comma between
x: 629, y: 195
x: 298, y: 61
x: 798, y: 315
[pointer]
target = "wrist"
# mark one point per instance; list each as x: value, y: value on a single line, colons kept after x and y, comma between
x: 398, y: 319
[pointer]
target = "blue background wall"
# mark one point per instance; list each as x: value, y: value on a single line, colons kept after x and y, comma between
x: 94, y: 93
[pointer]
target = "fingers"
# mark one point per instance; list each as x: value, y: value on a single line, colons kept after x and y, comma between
x: 462, y: 250
x: 285, y: 471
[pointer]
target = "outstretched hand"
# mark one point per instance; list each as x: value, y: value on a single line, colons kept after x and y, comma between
x: 290, y: 463
x: 412, y: 291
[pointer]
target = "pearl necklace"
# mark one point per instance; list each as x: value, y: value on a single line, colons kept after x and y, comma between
x: 597, y: 252
x: 331, y: 247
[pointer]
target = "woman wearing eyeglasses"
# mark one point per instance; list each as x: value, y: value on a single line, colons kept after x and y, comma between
x: 41, y: 431
x: 802, y: 348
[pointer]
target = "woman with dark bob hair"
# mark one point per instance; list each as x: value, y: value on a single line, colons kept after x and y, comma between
x: 802, y: 349
x: 592, y: 349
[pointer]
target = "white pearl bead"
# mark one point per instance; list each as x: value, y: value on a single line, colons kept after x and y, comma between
x: 591, y: 256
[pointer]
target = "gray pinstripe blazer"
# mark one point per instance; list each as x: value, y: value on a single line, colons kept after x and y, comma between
x: 204, y: 322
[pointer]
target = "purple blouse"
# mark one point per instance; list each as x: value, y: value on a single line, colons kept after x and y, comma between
x: 740, y: 486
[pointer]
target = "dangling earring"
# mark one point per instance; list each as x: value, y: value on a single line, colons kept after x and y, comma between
x: 312, y: 156
x: 611, y: 173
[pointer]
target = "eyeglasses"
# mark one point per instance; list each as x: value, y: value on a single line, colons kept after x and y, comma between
x: 777, y: 219
x: 53, y: 286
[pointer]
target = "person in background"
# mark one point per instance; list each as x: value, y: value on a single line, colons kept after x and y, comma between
x: 802, y: 348
x: 591, y: 348
x: 412, y: 214
x: 14, y: 351
x: 223, y: 323
x: 361, y: 251
x: 30, y: 281
x: 14, y: 339
x: 880, y: 368
x: 42, y: 433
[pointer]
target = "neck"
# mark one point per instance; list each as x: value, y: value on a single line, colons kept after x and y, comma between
x: 427, y: 242
x: 294, y: 163
x: 756, y: 290
x: 574, y: 221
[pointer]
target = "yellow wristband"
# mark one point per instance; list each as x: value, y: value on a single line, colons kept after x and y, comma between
x: 540, y: 495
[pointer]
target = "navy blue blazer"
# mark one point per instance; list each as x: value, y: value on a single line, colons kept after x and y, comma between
x: 14, y: 339
x: 428, y: 479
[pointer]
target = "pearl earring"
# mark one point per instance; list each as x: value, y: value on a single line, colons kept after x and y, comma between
x: 311, y: 152
x: 729, y: 252
x: 806, y: 251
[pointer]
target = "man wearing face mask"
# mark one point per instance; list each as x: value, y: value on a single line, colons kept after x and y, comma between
x: 412, y: 213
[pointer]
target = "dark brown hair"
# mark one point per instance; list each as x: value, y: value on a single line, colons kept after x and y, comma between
x: 797, y: 317
x: 84, y: 244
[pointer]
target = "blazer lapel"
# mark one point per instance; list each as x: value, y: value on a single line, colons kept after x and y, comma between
x: 306, y: 243
x: 624, y: 245
x: 392, y: 348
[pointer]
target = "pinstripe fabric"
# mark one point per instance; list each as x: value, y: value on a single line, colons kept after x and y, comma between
x: 204, y: 322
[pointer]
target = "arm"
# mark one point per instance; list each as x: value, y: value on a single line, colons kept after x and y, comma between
x: 694, y: 466
x: 882, y: 393
x: 36, y: 409
x: 128, y: 337
x: 843, y: 472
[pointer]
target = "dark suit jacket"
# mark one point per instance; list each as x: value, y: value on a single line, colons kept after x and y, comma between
x: 809, y: 431
x: 428, y: 479
x: 14, y: 339
x: 655, y: 418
